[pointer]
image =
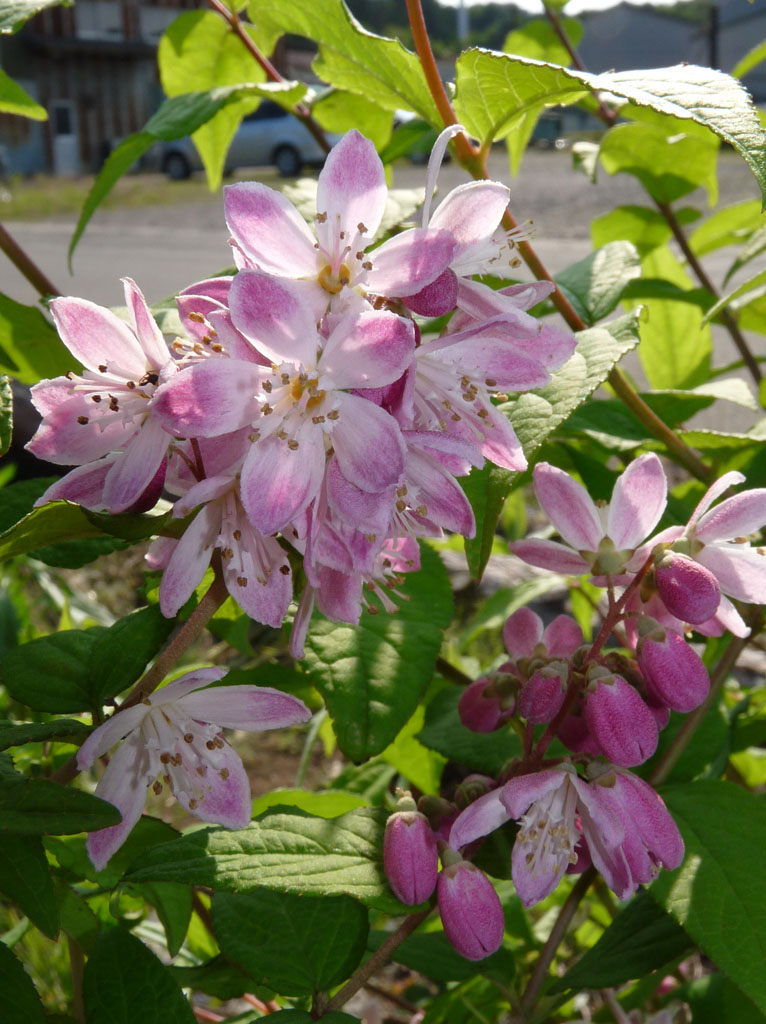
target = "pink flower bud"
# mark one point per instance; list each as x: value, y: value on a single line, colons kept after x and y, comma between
x: 622, y: 724
x: 542, y: 696
x: 688, y: 590
x: 470, y: 910
x: 410, y: 858
x: 436, y: 298
x: 479, y: 712
x: 674, y: 672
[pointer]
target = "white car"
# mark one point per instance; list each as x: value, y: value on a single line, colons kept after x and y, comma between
x: 270, y: 135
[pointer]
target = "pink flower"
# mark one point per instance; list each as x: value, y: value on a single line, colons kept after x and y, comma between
x: 481, y: 708
x: 470, y: 909
x: 554, y: 808
x: 108, y: 408
x: 675, y: 674
x: 618, y: 719
x: 173, y: 738
x: 410, y: 859
x: 597, y: 539
x: 271, y: 235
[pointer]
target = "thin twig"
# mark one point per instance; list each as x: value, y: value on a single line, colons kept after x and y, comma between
x: 607, y: 114
x: 452, y: 672
x: 186, y: 635
x: 378, y: 959
x: 300, y: 110
x: 405, y: 1004
x: 26, y: 266
x: 76, y: 968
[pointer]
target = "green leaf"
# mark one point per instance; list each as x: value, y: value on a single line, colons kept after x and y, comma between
x: 217, y: 977
x: 177, y: 117
x: 750, y: 60
x: 753, y: 285
x: 595, y: 285
x: 675, y: 345
x: 30, y: 349
x: 173, y: 903
x: 20, y: 1002
x: 77, y: 919
x: 667, y: 167
x: 303, y: 1017
x: 295, y: 945
x: 61, y: 729
x: 122, y: 652
x: 13, y: 13
x: 25, y: 879
x: 640, y: 939
x: 481, y: 752
x: 380, y: 69
x: 199, y: 51
x: 486, y: 489
x: 717, y: 895
x: 371, y: 676
x: 754, y: 246
x: 288, y: 852
x: 51, y: 672
x: 645, y: 228
x: 496, y: 91
x: 15, y: 100
x: 340, y: 111
x: 42, y: 806
x: 6, y: 415
x: 48, y: 529
x: 730, y: 225
x: 538, y: 39
x: 713, y: 999
x: 417, y: 764
x: 431, y: 954
x: 121, y: 975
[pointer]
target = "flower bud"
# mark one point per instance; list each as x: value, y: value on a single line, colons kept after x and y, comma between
x: 480, y: 712
x: 437, y: 298
x: 541, y: 696
x: 410, y: 858
x: 674, y: 672
x: 688, y: 590
x: 622, y: 724
x: 470, y: 910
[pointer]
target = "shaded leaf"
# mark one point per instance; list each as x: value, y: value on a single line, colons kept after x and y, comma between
x: 288, y: 852
x: 42, y: 806
x: 30, y: 348
x: 51, y: 672
x: 13, y: 13
x: 371, y: 676
x: 25, y: 879
x: 20, y: 1002
x: 751, y: 59
x: 15, y: 100
x: 431, y: 954
x: 594, y: 285
x: 63, y: 729
x: 481, y: 752
x: 730, y: 225
x: 173, y: 903
x: 538, y: 39
x: 742, y: 292
x: 121, y: 653
x: 121, y: 974
x: 295, y: 945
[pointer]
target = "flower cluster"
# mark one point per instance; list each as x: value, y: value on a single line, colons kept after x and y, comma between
x: 307, y: 400
x: 606, y: 705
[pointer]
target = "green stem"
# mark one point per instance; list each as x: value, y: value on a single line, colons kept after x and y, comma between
x: 300, y: 110
x: 26, y: 266
x: 378, y: 959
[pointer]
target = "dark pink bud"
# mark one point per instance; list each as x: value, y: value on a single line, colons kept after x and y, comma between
x: 688, y: 590
x: 152, y: 493
x: 436, y: 298
x: 575, y: 734
x: 541, y: 696
x: 480, y: 712
x: 622, y: 724
x: 660, y: 711
x: 674, y: 672
x: 410, y: 858
x: 470, y: 910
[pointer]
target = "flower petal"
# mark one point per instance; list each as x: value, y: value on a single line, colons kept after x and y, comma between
x: 736, y: 517
x: 519, y: 793
x: 739, y: 569
x: 135, y: 469
x: 96, y: 337
x: 277, y: 483
x: 189, y: 560
x: 547, y: 554
x: 478, y: 819
x: 252, y: 708
x: 409, y: 261
x: 214, y: 397
x: 275, y: 317
x: 715, y: 491
x: 145, y: 326
x: 108, y: 734
x: 269, y: 230
x: 351, y: 189
x: 368, y: 350
x: 471, y: 212
x: 123, y: 784
x: 368, y: 444
x: 562, y: 637
x: 62, y: 437
x: 568, y: 506
x: 226, y: 800
x: 522, y: 632
x: 83, y: 486
x: 638, y: 501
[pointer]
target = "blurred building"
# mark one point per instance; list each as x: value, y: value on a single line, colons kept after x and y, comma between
x: 93, y: 66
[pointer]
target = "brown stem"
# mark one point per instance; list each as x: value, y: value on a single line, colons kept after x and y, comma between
x: 405, y: 1004
x: 26, y: 266
x: 300, y: 110
x: 726, y: 663
x: 700, y: 273
x: 469, y: 156
x: 451, y: 672
x: 607, y: 114
x: 76, y: 968
x: 186, y: 635
x: 376, y: 961
x: 560, y: 926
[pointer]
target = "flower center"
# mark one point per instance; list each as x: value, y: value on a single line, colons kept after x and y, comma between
x: 333, y: 282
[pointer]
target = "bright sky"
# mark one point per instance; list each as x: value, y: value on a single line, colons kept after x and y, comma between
x: 573, y: 7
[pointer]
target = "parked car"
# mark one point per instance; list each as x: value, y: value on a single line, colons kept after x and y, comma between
x: 270, y: 135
